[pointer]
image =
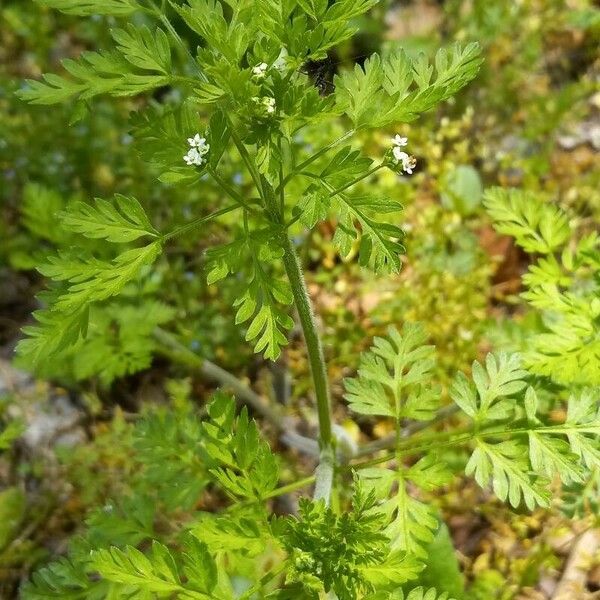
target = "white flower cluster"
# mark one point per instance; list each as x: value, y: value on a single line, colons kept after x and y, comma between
x: 400, y: 157
x: 198, y: 150
x: 259, y: 71
x: 267, y: 102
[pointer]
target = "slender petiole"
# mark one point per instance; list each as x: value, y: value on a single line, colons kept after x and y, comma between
x: 196, y: 222
x: 299, y: 168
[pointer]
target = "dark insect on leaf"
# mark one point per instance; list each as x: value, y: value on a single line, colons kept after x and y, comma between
x: 321, y: 73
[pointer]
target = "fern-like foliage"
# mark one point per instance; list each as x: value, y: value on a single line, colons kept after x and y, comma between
x: 392, y: 376
x: 394, y: 380
x: 345, y: 553
x: 158, y: 572
x: 358, y: 216
x: 118, y: 341
x: 521, y: 466
x: 117, y: 8
x: 109, y: 72
x: 258, y: 113
x: 396, y: 89
x: 123, y: 220
x: 561, y: 285
x: 411, y: 524
x: 536, y: 227
x: 263, y: 302
x: 487, y: 398
x: 82, y: 281
x: 513, y: 448
x: 243, y: 464
x: 40, y: 209
x: 66, y: 579
x: 317, y: 27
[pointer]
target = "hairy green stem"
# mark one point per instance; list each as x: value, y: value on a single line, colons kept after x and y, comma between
x: 324, y: 474
x: 312, y: 340
x: 316, y: 360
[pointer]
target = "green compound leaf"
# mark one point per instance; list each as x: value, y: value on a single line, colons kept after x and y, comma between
x: 264, y: 302
x: 89, y: 280
x: 96, y: 73
x: 64, y: 579
x: 92, y: 280
x: 487, y: 398
x: 398, y: 567
x: 123, y: 220
x: 411, y: 524
x: 396, y: 89
x: 346, y: 553
x: 535, y: 225
x: 393, y: 376
x: 244, y: 464
x: 84, y: 8
x: 505, y: 464
x: 145, y: 49
x: 158, y: 572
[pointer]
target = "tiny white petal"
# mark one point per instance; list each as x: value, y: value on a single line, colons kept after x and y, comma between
x: 398, y: 140
x: 260, y: 70
x: 399, y: 155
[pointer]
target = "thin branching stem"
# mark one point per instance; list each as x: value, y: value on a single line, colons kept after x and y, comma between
x: 230, y: 191
x: 444, y: 439
x: 299, y: 168
x: 244, y: 154
x: 197, y: 222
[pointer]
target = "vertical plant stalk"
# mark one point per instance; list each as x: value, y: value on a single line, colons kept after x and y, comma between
x: 325, y: 470
x: 316, y: 359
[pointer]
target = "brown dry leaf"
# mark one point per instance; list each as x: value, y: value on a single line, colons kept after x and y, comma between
x: 507, y: 278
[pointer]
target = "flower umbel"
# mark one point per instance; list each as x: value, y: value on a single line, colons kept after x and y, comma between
x: 267, y: 103
x: 260, y: 70
x: 400, y: 157
x: 198, y: 149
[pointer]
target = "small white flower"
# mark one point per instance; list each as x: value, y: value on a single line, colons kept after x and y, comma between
x: 408, y: 162
x: 399, y: 155
x: 399, y: 141
x: 259, y: 71
x: 266, y: 102
x: 269, y: 104
x: 196, y: 141
x: 198, y: 149
x: 193, y: 157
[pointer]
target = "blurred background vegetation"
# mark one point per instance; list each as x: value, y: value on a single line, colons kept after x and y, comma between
x: 77, y: 445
